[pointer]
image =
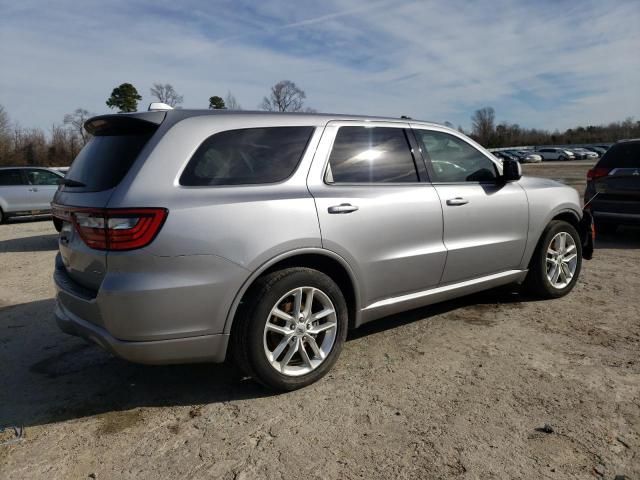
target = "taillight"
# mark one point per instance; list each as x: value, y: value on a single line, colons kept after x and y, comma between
x: 115, y: 228
x: 595, y: 173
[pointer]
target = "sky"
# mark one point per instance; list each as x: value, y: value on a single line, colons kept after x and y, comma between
x: 545, y: 64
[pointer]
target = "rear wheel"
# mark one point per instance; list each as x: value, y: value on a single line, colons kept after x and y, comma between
x: 57, y: 224
x: 291, y: 328
x: 2, y: 216
x: 556, y: 262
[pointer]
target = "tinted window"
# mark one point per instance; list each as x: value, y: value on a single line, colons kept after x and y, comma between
x: 10, y: 177
x: 105, y: 160
x: 454, y: 160
x: 247, y: 156
x: 371, y: 155
x: 42, y: 177
x: 622, y: 155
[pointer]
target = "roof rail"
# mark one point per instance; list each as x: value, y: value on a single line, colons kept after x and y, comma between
x: 159, y: 106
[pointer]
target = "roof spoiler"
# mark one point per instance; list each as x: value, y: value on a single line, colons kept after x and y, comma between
x: 125, y: 123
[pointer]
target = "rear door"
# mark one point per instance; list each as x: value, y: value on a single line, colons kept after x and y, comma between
x: 42, y: 187
x: 100, y: 166
x: 485, y: 221
x: 14, y: 192
x: 375, y: 208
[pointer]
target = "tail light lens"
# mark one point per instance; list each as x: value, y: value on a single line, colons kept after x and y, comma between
x: 115, y: 229
x: 596, y: 173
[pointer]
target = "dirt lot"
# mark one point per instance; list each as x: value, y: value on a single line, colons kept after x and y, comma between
x: 457, y: 389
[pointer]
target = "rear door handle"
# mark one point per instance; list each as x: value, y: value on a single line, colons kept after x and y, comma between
x: 457, y: 201
x: 342, y: 208
x: 33, y: 189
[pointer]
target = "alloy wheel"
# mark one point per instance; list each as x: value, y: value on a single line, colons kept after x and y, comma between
x: 300, y: 331
x: 562, y: 260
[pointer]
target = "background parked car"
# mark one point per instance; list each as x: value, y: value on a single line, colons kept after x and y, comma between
x: 526, y: 156
x: 584, y: 154
x: 504, y: 155
x: 26, y: 191
x: 553, y: 153
x: 613, y: 187
x: 599, y: 150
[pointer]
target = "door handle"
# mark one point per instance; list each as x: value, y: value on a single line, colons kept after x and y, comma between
x: 33, y: 189
x: 457, y: 201
x: 342, y: 208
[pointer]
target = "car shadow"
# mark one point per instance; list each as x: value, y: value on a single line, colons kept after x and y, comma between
x: 48, y: 376
x: 624, y: 238
x: 37, y: 243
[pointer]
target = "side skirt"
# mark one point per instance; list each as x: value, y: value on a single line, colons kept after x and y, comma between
x: 389, y: 306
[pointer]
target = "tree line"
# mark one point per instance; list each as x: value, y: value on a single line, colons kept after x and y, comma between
x: 491, y: 135
x: 60, y: 145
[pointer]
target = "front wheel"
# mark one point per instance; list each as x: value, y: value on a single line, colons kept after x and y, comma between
x: 290, y: 329
x: 556, y: 262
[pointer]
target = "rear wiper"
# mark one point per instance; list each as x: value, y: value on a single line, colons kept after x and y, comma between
x: 68, y: 182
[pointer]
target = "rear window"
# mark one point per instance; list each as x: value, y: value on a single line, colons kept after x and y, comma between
x: 108, y: 156
x: 622, y: 155
x: 247, y: 156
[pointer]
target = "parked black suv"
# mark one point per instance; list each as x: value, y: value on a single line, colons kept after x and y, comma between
x: 613, y: 187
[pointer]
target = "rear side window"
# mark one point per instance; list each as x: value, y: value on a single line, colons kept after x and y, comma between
x: 247, y: 156
x: 622, y: 155
x: 10, y: 177
x: 371, y: 155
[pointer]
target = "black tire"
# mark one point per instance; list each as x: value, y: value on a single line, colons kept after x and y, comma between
x: 247, y: 336
x: 562, y: 158
x: 57, y: 224
x: 2, y: 216
x: 537, y: 283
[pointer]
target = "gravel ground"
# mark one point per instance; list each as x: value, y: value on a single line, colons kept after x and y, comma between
x: 460, y: 389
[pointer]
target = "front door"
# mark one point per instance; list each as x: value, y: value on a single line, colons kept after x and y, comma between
x: 376, y: 210
x: 485, y: 221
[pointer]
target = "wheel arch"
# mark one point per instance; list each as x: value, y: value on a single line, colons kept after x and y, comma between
x: 325, y: 261
x: 566, y: 214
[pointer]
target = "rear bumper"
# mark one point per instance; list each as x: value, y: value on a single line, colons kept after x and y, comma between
x: 159, y: 311
x: 204, y: 348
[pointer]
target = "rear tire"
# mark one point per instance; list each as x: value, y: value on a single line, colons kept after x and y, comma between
x: 548, y: 262
x: 297, y: 346
x: 2, y: 216
x: 57, y: 224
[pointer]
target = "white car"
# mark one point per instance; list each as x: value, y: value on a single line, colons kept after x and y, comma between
x: 27, y: 190
x: 552, y: 153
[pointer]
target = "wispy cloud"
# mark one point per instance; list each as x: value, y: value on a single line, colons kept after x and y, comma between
x: 544, y: 64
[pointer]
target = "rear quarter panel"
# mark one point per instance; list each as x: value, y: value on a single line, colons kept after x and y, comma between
x: 243, y: 227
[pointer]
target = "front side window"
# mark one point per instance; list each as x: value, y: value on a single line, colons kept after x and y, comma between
x: 247, y: 156
x: 10, y: 177
x: 454, y: 160
x: 371, y: 155
x: 42, y: 177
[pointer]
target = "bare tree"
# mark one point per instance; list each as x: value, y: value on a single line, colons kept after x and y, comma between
x: 231, y: 103
x: 166, y: 94
x: 76, y: 121
x: 4, y: 121
x: 483, y: 125
x: 285, y: 96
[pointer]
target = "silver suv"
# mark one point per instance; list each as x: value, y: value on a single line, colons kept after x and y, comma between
x: 26, y: 191
x: 191, y: 235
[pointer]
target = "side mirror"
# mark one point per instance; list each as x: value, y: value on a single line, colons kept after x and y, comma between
x: 511, y: 170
